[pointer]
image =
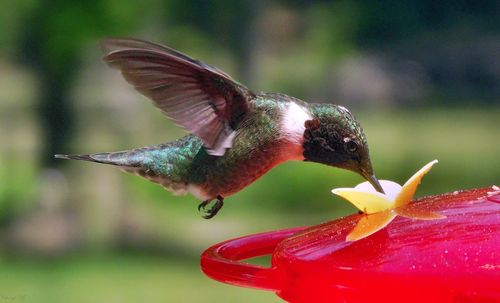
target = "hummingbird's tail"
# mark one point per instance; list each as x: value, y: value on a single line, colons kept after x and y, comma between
x: 123, y: 158
x: 166, y: 164
x: 136, y: 161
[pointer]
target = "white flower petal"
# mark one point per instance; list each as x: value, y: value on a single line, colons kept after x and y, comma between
x: 391, y: 188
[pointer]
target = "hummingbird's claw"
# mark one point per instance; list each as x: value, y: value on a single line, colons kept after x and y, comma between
x: 213, y: 210
x: 203, y: 205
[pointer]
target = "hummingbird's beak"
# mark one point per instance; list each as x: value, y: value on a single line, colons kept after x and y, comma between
x: 374, y: 182
x: 366, y: 171
x: 370, y: 177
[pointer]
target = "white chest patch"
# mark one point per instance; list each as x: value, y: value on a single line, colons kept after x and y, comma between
x: 293, y: 121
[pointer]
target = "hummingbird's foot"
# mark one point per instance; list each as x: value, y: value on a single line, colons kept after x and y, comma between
x: 203, y: 204
x: 214, y: 209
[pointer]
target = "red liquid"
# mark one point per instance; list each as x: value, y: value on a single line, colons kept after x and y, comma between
x: 456, y: 259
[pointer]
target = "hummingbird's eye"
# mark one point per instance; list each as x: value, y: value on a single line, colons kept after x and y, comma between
x: 351, y: 146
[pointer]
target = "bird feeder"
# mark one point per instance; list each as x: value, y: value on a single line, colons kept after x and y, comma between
x: 453, y: 259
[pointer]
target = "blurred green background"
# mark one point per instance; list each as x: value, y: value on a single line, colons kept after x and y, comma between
x: 423, y: 77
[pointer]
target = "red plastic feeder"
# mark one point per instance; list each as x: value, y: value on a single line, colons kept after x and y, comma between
x: 456, y: 259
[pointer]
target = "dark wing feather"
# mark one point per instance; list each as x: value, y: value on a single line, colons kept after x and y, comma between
x: 197, y: 96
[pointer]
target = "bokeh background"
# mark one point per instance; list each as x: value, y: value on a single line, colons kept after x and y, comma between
x: 423, y: 77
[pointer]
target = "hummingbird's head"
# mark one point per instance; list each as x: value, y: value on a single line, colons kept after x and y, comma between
x: 334, y: 137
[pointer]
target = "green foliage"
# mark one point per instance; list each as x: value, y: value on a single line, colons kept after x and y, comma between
x: 11, y: 22
x: 332, y: 27
x: 65, y: 28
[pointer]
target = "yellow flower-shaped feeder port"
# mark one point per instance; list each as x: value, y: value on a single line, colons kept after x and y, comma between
x: 381, y: 209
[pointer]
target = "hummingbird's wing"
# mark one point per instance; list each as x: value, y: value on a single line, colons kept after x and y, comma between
x: 204, y: 100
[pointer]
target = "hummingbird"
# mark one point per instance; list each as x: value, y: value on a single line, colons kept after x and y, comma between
x: 236, y: 135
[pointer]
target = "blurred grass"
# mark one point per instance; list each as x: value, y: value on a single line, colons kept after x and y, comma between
x: 117, y: 278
